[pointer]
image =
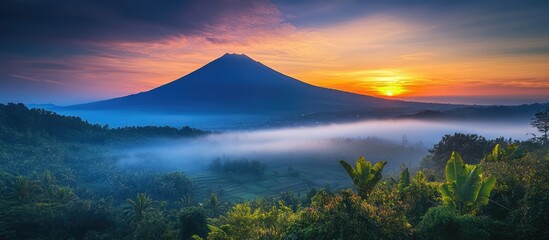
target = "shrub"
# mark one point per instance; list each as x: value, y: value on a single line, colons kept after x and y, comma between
x: 442, y: 223
x: 193, y: 222
x: 346, y: 215
x: 244, y: 221
x: 418, y: 197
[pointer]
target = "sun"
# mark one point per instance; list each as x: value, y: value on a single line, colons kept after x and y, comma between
x: 390, y: 90
x: 386, y: 82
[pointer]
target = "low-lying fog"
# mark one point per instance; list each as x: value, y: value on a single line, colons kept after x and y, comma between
x: 396, y: 141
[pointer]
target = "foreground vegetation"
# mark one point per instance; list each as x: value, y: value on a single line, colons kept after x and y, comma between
x: 58, y: 181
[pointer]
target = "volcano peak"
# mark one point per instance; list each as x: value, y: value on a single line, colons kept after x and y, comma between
x: 238, y: 83
x: 235, y: 57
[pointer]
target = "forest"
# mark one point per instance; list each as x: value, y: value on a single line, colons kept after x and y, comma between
x: 60, y: 178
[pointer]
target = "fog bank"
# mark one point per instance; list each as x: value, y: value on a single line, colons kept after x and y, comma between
x: 396, y: 141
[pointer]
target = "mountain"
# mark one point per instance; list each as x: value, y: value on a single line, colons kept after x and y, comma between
x: 235, y: 83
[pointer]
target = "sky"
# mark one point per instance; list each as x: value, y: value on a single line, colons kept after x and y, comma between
x: 475, y: 52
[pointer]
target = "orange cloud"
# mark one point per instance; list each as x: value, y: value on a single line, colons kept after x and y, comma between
x: 379, y: 55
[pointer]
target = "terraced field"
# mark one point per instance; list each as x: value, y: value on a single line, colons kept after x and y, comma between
x: 275, y: 180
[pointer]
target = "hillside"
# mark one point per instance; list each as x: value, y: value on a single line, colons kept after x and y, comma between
x: 21, y: 124
x: 500, y: 113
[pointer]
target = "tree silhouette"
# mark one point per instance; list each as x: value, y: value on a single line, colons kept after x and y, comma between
x: 138, y: 209
x: 541, y: 122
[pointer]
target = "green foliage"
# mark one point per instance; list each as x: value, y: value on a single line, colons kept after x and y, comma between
x: 246, y: 222
x: 64, y: 195
x: 535, y: 204
x: 465, y: 189
x: 442, y: 223
x: 215, y: 205
x: 192, y: 221
x: 54, y: 214
x: 364, y: 176
x: 168, y: 186
x: 404, y: 180
x: 155, y: 227
x: 521, y: 196
x: 84, y: 192
x: 293, y: 201
x: 172, y: 186
x: 507, y: 153
x: 238, y: 167
x: 511, y: 187
x: 472, y: 146
x: 22, y: 188
x: 138, y: 209
x: 346, y: 215
x: 18, y: 124
x: 418, y: 197
x: 390, y: 212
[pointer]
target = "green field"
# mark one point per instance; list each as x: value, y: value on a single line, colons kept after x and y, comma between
x: 273, y: 182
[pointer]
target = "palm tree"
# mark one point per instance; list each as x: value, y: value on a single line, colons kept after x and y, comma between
x: 48, y: 184
x: 215, y: 205
x: 64, y: 195
x: 138, y: 209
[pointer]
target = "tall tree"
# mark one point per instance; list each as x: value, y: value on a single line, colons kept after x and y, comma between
x: 541, y: 122
x: 139, y: 209
x: 472, y: 146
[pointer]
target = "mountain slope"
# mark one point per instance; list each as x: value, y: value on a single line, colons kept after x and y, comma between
x: 237, y: 84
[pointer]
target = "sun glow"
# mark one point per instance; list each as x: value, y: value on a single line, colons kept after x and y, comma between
x: 391, y: 90
x: 387, y: 83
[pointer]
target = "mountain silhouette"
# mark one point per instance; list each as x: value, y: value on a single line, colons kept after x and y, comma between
x: 235, y: 83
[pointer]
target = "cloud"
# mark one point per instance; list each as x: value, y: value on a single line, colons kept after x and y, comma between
x: 114, y: 48
x: 418, y: 56
x: 326, y: 144
x: 123, y: 20
x: 33, y: 79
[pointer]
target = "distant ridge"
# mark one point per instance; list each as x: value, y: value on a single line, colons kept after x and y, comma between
x: 235, y: 83
x: 506, y: 113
